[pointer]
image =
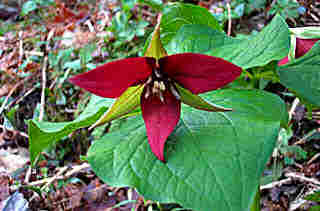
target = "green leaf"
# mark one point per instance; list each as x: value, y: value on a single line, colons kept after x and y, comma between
x: 28, y: 7
x: 176, y: 15
x: 214, y: 160
x: 313, y: 197
x: 198, y: 39
x: 251, y: 102
x: 302, y: 75
x: 270, y: 44
x: 157, y: 5
x: 44, y: 134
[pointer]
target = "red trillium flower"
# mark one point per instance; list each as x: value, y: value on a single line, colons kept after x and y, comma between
x: 158, y: 83
x: 302, y: 47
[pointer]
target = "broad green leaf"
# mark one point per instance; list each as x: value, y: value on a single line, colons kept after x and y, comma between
x: 214, y: 160
x: 157, y: 5
x: 197, y: 102
x: 272, y: 43
x: 44, y: 134
x: 176, y: 15
x: 123, y: 105
x: 250, y: 102
x: 303, y: 76
x: 198, y: 39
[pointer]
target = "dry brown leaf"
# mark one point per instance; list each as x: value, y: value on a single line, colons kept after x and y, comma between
x: 95, y: 191
x: 74, y: 196
x: 5, y: 89
x: 12, y: 162
x: 4, y: 186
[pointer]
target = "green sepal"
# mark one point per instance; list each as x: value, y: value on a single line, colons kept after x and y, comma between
x: 155, y: 48
x: 126, y: 103
x: 292, y: 51
x: 197, y: 102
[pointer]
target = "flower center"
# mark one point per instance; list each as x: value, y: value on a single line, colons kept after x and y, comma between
x: 158, y: 83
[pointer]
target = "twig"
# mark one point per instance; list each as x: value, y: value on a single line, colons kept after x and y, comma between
x: 49, y: 181
x: 303, y: 178
x: 28, y: 175
x: 20, y: 47
x: 53, y: 83
x: 44, y: 78
x: 90, y: 26
x: 293, y: 107
x: 44, y: 81
x: 276, y: 183
x: 300, y: 201
x: 303, y: 140
x: 229, y: 18
x: 316, y: 156
x: 291, y: 176
x: 74, y: 170
x: 14, y: 131
x: 298, y: 165
x: 52, y: 179
x: 314, y: 17
x: 34, y: 53
x: 17, y: 101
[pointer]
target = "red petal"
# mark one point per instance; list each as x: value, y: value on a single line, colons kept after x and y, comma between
x: 283, y: 61
x: 112, y: 79
x: 199, y: 73
x: 160, y: 120
x: 304, y: 45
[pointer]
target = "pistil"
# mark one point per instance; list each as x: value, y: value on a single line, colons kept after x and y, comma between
x: 157, y: 84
